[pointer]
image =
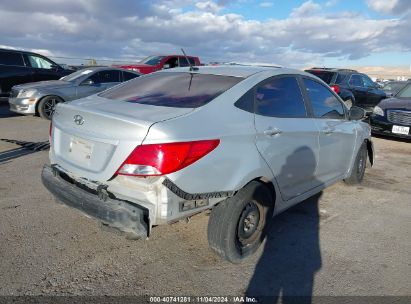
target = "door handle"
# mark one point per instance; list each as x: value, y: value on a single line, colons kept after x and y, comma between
x: 272, y: 132
x: 328, y: 130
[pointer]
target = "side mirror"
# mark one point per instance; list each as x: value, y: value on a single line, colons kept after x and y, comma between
x: 357, y: 113
x: 166, y: 66
x: 87, y: 82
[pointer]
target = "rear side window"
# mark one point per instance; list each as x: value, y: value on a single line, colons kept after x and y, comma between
x: 340, y: 78
x: 109, y: 76
x: 356, y: 81
x: 11, y: 58
x: 127, y: 76
x: 178, y: 90
x: 323, y: 101
x: 280, y: 97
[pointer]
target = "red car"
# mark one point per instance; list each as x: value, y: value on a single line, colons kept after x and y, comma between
x: 155, y: 63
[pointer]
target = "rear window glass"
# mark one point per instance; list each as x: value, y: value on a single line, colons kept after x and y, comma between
x: 11, y: 58
x: 323, y: 75
x: 178, y: 90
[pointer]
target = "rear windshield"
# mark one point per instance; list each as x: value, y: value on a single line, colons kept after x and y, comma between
x: 172, y: 89
x: 323, y: 75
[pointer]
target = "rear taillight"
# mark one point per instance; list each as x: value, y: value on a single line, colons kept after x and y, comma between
x: 336, y: 88
x: 160, y: 159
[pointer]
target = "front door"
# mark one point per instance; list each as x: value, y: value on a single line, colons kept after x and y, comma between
x: 286, y: 138
x: 337, y: 139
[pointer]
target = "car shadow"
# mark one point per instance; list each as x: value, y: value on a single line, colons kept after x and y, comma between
x: 291, y: 255
x: 24, y: 149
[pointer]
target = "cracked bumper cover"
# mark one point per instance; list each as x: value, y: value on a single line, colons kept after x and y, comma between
x: 119, y: 214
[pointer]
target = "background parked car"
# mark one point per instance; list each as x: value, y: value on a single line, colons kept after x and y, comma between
x: 354, y: 88
x: 41, y: 97
x: 155, y: 63
x: 18, y: 67
x: 393, y: 87
x: 392, y: 116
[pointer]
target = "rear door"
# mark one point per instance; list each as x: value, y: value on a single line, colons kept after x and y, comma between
x: 337, y: 133
x: 13, y: 71
x: 285, y: 136
x: 356, y: 85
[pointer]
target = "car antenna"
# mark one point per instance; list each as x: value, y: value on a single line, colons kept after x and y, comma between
x: 192, y: 68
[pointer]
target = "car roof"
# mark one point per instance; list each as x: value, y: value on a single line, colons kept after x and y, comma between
x: 332, y: 70
x: 236, y: 71
x: 20, y: 51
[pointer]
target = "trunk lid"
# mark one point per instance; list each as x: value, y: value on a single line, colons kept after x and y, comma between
x: 93, y: 136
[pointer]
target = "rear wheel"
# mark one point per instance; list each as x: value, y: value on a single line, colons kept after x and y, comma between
x: 237, y: 226
x: 47, y: 106
x: 358, y: 170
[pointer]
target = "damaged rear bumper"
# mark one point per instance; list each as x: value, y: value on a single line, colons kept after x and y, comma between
x: 119, y: 214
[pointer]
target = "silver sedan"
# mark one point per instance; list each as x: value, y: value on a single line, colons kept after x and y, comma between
x: 41, y: 97
x: 246, y: 142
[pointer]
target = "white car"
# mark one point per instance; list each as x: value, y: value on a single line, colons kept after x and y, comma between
x: 248, y: 142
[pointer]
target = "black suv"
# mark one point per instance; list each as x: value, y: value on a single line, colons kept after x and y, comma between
x: 353, y: 87
x: 17, y: 67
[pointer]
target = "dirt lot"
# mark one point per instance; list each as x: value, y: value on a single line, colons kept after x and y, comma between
x: 347, y: 241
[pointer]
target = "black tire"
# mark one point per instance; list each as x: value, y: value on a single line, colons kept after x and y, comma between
x: 238, y: 225
x: 47, y: 105
x: 358, y: 169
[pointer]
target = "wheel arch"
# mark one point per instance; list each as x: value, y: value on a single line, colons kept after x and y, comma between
x: 45, y: 96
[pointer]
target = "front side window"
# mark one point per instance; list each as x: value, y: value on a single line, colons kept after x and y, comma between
x: 178, y: 90
x: 11, y: 58
x: 280, y: 97
x: 171, y: 63
x: 39, y: 62
x: 323, y: 101
x: 356, y: 81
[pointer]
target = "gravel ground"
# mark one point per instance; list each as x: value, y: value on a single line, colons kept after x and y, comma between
x: 348, y: 241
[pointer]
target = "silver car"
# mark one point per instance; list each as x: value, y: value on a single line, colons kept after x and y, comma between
x: 41, y: 97
x: 248, y: 142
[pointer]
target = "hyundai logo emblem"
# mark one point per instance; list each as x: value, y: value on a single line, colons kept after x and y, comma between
x: 78, y: 119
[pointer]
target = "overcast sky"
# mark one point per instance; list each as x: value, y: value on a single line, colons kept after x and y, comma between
x: 291, y: 33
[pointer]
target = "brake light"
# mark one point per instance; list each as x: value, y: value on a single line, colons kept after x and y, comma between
x: 160, y: 159
x: 336, y: 89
